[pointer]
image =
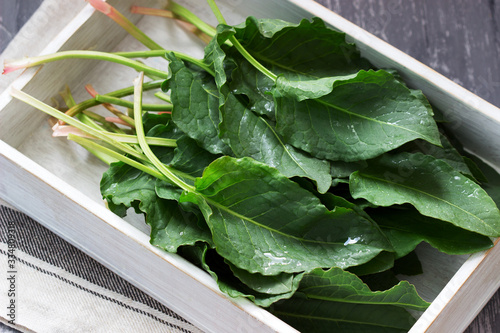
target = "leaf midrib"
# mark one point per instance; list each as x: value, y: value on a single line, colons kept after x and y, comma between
x: 353, y: 301
x: 245, y: 218
x: 431, y: 196
x: 382, y: 123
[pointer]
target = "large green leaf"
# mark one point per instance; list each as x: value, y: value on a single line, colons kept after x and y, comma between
x: 307, y: 49
x: 320, y: 52
x: 171, y: 226
x: 432, y: 186
x: 362, y: 117
x: 251, y: 135
x: 265, y: 223
x: 195, y: 100
x: 338, y: 301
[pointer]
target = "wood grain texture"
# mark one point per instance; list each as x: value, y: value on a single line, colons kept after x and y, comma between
x: 459, y: 39
x: 13, y: 15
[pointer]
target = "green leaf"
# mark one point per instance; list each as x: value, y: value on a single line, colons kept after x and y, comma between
x: 265, y: 223
x: 250, y: 135
x: 321, y: 52
x: 338, y: 285
x: 190, y: 158
x: 446, y: 153
x: 223, y: 273
x: 195, y: 100
x: 406, y: 228
x: 247, y: 80
x: 150, y: 120
x: 171, y: 226
x: 272, y: 284
x: 432, y: 186
x: 338, y: 301
x: 362, y: 117
x: 308, y: 49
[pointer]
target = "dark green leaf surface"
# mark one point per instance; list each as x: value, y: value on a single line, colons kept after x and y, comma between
x: 271, y: 284
x: 316, y: 316
x: 360, y: 118
x: 171, y: 227
x: 432, y: 186
x: 190, y: 158
x: 251, y: 135
x: 321, y: 52
x: 263, y: 222
x: 491, y: 177
x: 229, y: 283
x: 338, y: 285
x: 308, y: 49
x: 338, y: 301
x: 446, y: 153
x: 195, y: 100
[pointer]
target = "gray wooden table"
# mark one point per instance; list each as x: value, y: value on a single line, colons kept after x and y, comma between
x: 460, y: 39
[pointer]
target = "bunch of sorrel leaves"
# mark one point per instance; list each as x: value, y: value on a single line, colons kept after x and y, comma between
x: 286, y: 166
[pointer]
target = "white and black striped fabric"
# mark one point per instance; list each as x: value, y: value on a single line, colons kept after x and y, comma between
x: 58, y: 288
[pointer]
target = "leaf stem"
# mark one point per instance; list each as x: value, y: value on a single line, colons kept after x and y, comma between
x: 22, y: 96
x: 118, y: 93
x: 154, y: 141
x: 188, y: 16
x: 109, y: 126
x: 236, y: 43
x: 161, y: 53
x: 218, y: 15
x: 142, y: 139
x: 169, y: 14
x: 164, y: 97
x: 35, y: 61
x: 125, y: 23
x: 129, y: 104
x: 91, y: 145
x: 251, y: 59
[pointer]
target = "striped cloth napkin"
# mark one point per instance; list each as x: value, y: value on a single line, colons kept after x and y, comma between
x: 48, y: 285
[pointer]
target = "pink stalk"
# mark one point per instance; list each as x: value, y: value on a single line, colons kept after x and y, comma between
x: 169, y: 14
x: 132, y: 29
x: 151, y: 11
x: 10, y: 66
x: 124, y: 119
x: 64, y: 130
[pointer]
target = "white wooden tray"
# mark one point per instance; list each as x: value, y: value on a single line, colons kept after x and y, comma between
x: 51, y: 180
